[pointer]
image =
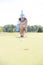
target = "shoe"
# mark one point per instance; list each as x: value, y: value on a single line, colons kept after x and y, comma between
x: 22, y: 36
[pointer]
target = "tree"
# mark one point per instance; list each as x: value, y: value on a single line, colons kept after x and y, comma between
x: 1, y: 29
x: 9, y: 28
x: 13, y: 28
x: 40, y: 29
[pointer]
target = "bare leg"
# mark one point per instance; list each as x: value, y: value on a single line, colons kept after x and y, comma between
x: 22, y: 30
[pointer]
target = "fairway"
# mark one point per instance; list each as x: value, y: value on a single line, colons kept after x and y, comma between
x: 21, y: 51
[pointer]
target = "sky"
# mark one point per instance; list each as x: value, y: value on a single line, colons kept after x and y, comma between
x: 10, y: 11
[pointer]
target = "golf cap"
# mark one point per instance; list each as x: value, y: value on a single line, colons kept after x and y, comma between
x: 22, y: 14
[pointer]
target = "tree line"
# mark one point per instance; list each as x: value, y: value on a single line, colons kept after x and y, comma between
x: 12, y: 28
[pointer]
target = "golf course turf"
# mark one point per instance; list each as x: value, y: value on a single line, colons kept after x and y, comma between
x: 21, y: 51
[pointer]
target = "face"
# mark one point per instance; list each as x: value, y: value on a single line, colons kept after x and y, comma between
x: 22, y: 19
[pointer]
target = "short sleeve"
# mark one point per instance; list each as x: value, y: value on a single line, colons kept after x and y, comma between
x: 18, y: 22
x: 26, y: 20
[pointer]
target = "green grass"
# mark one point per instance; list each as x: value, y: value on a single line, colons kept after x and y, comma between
x: 21, y: 51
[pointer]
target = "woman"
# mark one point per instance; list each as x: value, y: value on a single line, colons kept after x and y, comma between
x: 22, y: 25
